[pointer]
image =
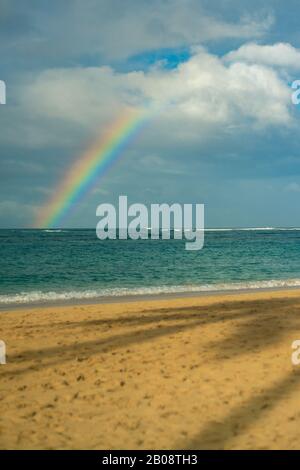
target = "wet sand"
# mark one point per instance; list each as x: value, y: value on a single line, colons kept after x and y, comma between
x: 209, y: 372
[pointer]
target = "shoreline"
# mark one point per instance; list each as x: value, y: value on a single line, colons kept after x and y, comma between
x: 123, y: 299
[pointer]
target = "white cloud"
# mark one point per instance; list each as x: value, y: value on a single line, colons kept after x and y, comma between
x: 280, y: 54
x: 203, y: 94
x: 208, y: 91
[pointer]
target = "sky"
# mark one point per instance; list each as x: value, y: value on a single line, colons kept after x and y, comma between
x: 218, y: 73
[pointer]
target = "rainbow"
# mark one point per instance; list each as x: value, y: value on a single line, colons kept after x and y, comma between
x: 90, y: 166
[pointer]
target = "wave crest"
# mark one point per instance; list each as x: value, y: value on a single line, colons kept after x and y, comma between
x: 52, y: 296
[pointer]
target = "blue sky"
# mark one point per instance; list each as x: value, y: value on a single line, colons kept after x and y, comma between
x: 229, y: 140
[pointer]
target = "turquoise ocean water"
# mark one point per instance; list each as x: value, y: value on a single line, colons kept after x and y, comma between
x: 46, y: 265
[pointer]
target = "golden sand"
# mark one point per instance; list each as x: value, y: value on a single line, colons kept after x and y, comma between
x: 198, y: 372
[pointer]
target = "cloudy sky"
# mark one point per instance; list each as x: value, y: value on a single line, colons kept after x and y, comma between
x: 218, y: 72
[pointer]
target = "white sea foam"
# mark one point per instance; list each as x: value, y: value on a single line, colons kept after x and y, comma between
x: 53, y: 230
x: 52, y: 296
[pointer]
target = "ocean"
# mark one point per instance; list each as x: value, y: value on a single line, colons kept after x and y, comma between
x: 69, y: 264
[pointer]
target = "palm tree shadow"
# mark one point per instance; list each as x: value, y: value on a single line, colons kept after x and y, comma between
x: 159, y: 319
x: 217, y: 435
x: 255, y: 333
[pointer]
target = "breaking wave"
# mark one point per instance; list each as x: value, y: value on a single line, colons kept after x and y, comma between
x: 52, y: 296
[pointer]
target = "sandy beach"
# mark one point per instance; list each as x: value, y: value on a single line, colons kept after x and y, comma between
x: 209, y: 372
